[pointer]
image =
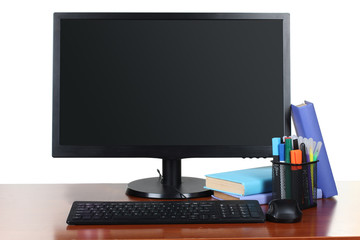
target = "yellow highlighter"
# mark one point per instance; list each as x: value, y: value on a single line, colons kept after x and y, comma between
x: 311, y: 157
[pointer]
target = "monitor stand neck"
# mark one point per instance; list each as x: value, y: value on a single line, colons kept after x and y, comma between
x: 170, y: 185
x: 171, y: 172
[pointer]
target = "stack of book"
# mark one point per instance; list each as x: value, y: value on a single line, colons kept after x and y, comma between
x: 247, y: 184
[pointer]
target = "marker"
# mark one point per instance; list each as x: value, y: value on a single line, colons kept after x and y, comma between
x: 296, y: 178
x: 288, y: 148
x: 282, y: 152
x: 275, y: 148
x: 296, y: 158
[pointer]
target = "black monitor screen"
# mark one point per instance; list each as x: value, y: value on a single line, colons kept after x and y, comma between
x: 171, y: 82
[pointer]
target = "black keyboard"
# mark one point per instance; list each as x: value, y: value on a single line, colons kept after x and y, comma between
x: 165, y: 212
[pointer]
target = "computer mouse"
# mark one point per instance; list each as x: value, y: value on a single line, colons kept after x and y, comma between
x: 284, y: 211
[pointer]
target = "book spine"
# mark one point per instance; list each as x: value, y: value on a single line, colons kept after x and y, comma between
x: 307, y: 125
x: 262, y: 198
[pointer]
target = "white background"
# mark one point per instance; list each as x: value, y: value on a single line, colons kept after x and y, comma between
x: 325, y: 69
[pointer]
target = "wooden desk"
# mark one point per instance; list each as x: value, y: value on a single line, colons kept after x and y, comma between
x: 39, y: 212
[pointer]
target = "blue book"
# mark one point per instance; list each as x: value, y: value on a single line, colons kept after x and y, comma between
x: 307, y: 125
x: 244, y: 182
x: 262, y: 198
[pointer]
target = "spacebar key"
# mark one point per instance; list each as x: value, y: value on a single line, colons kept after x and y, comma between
x: 135, y: 218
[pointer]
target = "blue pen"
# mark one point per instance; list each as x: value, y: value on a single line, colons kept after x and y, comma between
x: 282, y: 170
x: 276, y: 168
x: 282, y: 152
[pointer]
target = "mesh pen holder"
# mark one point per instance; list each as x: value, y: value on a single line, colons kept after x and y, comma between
x: 295, y: 181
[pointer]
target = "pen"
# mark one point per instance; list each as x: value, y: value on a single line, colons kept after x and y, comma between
x: 306, y: 187
x: 306, y: 142
x: 282, y: 170
x: 276, y: 168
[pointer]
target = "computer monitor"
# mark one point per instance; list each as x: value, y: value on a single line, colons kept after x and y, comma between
x: 170, y: 86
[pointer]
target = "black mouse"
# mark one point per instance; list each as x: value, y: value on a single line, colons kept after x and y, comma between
x: 284, y: 211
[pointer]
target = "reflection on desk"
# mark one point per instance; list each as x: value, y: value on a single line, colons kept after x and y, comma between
x: 40, y: 212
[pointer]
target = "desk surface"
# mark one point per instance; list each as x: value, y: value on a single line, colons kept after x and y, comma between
x: 39, y: 211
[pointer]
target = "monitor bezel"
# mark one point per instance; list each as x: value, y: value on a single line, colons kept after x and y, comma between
x: 165, y: 151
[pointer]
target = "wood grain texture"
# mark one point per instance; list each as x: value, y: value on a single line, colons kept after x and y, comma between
x: 31, y: 211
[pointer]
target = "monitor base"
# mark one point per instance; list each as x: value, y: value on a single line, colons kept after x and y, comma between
x: 153, y: 188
